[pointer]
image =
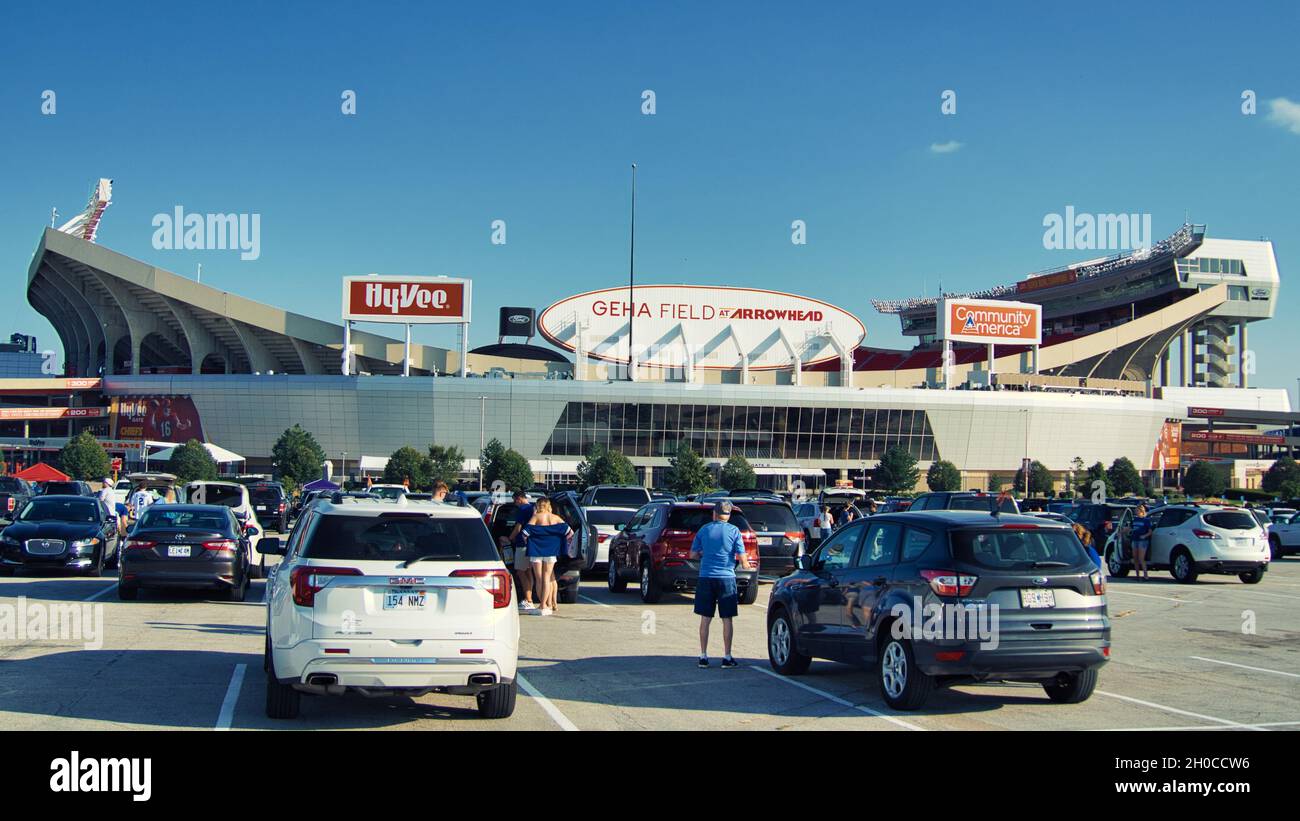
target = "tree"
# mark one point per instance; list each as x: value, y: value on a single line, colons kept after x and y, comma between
x: 994, y: 484
x: 513, y: 469
x: 897, y: 471
x: 408, y: 465
x: 296, y: 455
x: 489, y: 460
x: 191, y: 462
x: 1076, y: 475
x: 1284, y: 470
x: 1124, y: 477
x: 605, y: 467
x: 1204, y: 479
x: 1096, y: 473
x: 737, y: 474
x: 943, y: 475
x: 84, y: 458
x: 687, y: 472
x: 1040, y: 479
x: 1289, y: 490
x: 445, y: 464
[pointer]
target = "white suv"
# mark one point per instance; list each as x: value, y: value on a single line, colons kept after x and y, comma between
x: 390, y: 598
x: 1190, y: 540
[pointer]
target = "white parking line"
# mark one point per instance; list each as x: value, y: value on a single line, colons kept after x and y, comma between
x: 1247, y: 667
x: 551, y: 710
x: 227, y: 713
x: 1177, y: 711
x: 840, y: 701
x: 103, y: 592
x: 1259, y: 726
x: 1149, y: 596
x: 593, y: 601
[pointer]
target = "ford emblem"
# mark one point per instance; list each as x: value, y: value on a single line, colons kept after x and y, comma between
x: 518, y: 319
x: 1040, y: 580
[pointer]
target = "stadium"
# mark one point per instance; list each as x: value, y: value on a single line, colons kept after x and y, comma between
x: 784, y: 380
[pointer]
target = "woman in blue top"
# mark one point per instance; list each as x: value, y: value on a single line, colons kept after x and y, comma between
x: 547, y: 534
x: 1141, y: 541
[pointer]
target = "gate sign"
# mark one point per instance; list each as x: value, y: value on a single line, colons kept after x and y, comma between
x: 991, y: 321
x: 717, y: 327
x: 406, y: 300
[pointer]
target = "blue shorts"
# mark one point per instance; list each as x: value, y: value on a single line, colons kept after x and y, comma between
x: 719, y: 594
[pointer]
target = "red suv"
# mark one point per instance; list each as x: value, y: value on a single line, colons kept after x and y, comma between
x: 655, y: 548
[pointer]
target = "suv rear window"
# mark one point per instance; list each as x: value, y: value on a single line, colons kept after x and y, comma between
x: 265, y: 495
x: 980, y: 503
x: 621, y: 516
x: 769, y: 518
x: 62, y: 489
x: 9, y: 484
x: 694, y: 518
x: 218, y: 495
x: 620, y: 497
x: 1230, y: 520
x: 1004, y: 549
x: 398, y: 537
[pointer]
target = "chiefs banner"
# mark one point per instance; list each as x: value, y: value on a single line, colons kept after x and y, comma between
x: 156, y: 418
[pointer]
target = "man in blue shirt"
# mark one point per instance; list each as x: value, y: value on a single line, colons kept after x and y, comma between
x: 718, y: 547
x: 518, y: 540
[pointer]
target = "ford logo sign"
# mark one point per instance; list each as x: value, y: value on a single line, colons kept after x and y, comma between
x: 1040, y: 580
x: 518, y: 319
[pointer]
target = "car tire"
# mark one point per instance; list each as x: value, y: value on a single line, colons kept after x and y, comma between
x: 238, y: 592
x: 569, y: 594
x: 782, y: 651
x: 499, y: 702
x: 282, y: 701
x: 97, y: 569
x: 1076, y: 688
x: 617, y: 584
x: 1275, y: 548
x: 127, y: 592
x: 751, y: 592
x: 1114, y: 565
x: 1252, y: 577
x: 258, y: 571
x: 116, y: 559
x: 1181, y: 566
x: 902, y: 684
x: 651, y: 592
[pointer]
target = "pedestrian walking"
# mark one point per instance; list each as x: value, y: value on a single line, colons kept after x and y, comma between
x: 719, y: 548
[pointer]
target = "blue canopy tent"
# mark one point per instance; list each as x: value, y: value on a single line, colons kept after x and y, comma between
x: 320, y: 484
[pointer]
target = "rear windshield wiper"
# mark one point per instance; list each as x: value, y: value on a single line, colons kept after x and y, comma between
x: 426, y: 558
x: 1051, y: 564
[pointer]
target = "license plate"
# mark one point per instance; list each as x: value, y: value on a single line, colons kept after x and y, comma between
x: 397, y: 598
x: 179, y: 551
x: 261, y: 507
x: 1037, y: 598
x: 766, y: 541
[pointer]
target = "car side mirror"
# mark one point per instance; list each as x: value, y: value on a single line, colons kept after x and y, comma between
x: 250, y: 530
x: 271, y: 546
x: 808, y: 561
x: 620, y: 525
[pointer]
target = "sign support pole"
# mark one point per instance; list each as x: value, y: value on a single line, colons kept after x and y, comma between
x: 406, y: 357
x: 347, y: 345
x: 464, y: 348
x: 991, y: 365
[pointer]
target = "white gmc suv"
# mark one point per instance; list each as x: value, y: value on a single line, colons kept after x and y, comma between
x: 390, y: 598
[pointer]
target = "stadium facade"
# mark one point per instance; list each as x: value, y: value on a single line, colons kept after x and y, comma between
x: 818, y: 409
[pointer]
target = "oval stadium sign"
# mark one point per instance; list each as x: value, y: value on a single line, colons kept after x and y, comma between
x: 715, y: 326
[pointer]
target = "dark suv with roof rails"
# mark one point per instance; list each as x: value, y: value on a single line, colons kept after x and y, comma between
x: 871, y: 592
x: 779, y: 534
x: 964, y: 500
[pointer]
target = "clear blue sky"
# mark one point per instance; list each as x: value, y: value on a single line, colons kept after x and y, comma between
x: 531, y: 113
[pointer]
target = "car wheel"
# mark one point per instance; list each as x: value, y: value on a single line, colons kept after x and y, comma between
x: 782, y: 653
x: 499, y: 702
x: 751, y: 592
x: 116, y: 558
x: 651, y: 593
x: 1072, y: 688
x: 97, y: 569
x: 282, y: 701
x: 1182, y: 568
x: 1275, y: 548
x: 258, y: 571
x: 1252, y: 577
x: 1115, y: 565
x: 902, y: 684
x: 238, y: 592
x: 127, y: 592
x: 616, y: 583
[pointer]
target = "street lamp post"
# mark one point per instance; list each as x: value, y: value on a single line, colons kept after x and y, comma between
x: 1026, y: 463
x: 631, y: 286
x: 482, y: 406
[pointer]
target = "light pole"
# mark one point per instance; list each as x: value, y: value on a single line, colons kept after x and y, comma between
x: 482, y: 406
x: 1026, y: 463
x: 343, y: 470
x: 631, y: 286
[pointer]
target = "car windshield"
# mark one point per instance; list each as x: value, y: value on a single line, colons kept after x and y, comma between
x: 1018, y: 549
x: 225, y: 495
x: 180, y: 518
x: 771, y: 517
x: 694, y: 518
x: 388, y: 492
x: 618, y: 516
x: 60, y: 510
x: 398, y: 537
x: 632, y: 497
x: 8, y: 484
x: 1230, y: 520
x: 60, y: 488
x: 1260, y: 516
x: 264, y: 496
x: 980, y: 503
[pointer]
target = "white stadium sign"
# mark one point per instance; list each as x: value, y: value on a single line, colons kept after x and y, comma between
x: 715, y: 326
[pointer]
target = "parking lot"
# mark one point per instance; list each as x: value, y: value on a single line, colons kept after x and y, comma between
x: 182, y: 661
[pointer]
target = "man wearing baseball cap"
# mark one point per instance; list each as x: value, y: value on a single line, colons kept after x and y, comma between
x: 718, y: 546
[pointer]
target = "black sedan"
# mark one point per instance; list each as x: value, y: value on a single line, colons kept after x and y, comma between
x: 186, y: 546
x: 60, y: 533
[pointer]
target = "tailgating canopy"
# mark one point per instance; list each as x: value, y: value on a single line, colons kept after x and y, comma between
x: 320, y: 484
x: 41, y: 472
x: 218, y: 453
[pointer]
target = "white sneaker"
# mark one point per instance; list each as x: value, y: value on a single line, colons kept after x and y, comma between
x: 546, y: 611
x: 527, y: 605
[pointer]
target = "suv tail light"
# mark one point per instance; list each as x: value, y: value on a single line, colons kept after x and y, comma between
x: 140, y: 544
x: 949, y: 582
x: 1098, y: 584
x: 496, y: 582
x: 223, y: 545
x: 1204, y: 534
x: 10, y: 503
x: 794, y: 536
x: 306, y: 584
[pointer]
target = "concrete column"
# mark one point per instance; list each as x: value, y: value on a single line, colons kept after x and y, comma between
x: 1164, y: 368
x: 1186, y: 350
x: 1242, y: 378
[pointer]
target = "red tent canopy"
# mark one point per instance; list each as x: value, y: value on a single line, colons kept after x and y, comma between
x: 41, y: 472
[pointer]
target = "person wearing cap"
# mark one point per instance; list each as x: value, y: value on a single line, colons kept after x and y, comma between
x: 719, y: 547
x: 109, y: 501
x: 518, y: 540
